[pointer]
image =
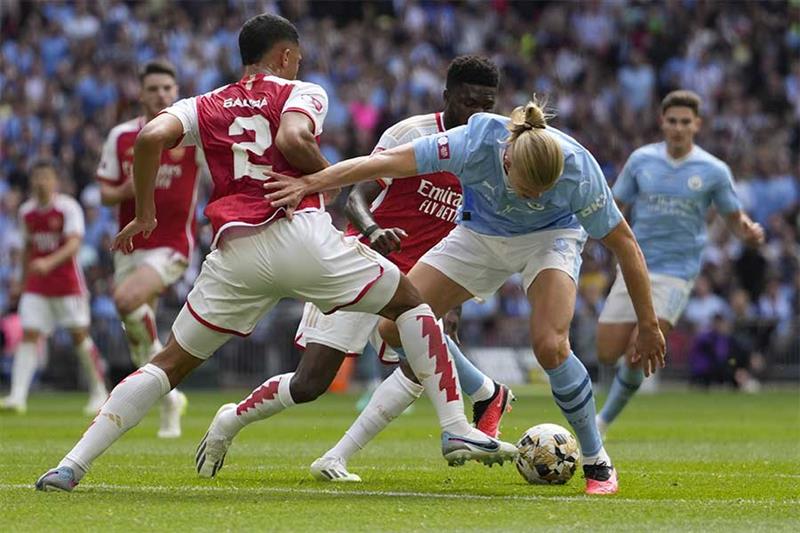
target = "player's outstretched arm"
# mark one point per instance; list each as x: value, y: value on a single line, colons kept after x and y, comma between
x: 163, y: 132
x: 286, y: 191
x: 650, y: 344
x: 744, y: 228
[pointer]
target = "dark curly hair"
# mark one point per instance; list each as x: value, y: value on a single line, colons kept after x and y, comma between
x: 259, y: 34
x: 475, y: 70
x: 158, y: 66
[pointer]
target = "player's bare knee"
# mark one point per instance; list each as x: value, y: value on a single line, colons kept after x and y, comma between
x: 405, y: 298
x: 124, y: 301
x: 175, y: 362
x: 606, y: 354
x: 307, y: 389
x: 78, y: 335
x: 389, y: 333
x: 551, y: 349
x: 30, y: 335
x: 405, y: 368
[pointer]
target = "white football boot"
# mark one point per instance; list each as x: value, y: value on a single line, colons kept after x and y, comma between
x: 332, y: 469
x: 212, y: 449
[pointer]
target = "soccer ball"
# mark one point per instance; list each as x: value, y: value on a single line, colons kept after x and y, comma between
x: 548, y: 455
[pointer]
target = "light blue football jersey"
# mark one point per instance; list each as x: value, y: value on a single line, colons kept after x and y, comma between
x: 669, y: 201
x: 474, y: 153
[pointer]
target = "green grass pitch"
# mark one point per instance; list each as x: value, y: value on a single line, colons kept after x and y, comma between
x: 687, y: 461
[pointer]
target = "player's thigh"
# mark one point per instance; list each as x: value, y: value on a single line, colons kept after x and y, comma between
x: 332, y: 271
x: 466, y: 264
x: 437, y: 289
x: 36, y: 313
x: 344, y: 331
x: 140, y: 287
x: 613, y: 339
x: 552, y: 298
x: 536, y: 252
x: 229, y: 297
x: 71, y: 312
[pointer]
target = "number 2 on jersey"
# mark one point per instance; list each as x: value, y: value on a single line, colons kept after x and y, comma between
x: 242, y: 166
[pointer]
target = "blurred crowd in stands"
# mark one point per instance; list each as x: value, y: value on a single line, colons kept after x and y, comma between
x: 68, y: 73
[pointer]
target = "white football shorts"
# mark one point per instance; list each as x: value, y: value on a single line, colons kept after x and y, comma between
x: 482, y: 263
x: 670, y: 296
x: 45, y: 313
x: 344, y: 331
x: 168, y: 263
x: 255, y: 267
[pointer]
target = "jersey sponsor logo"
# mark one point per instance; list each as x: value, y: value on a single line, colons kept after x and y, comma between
x: 440, y: 202
x: 166, y: 174
x: 695, y: 183
x: 314, y: 101
x: 245, y: 102
x: 444, y: 147
x: 46, y: 241
x: 595, y: 206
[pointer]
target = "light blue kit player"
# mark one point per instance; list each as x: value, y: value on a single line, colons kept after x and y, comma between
x: 531, y: 194
x: 669, y: 187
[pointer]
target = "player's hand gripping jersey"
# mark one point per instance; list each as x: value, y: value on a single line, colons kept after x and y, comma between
x: 235, y: 127
x: 175, y: 194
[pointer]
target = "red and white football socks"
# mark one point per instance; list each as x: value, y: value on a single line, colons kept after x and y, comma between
x: 427, y: 354
x: 268, y: 399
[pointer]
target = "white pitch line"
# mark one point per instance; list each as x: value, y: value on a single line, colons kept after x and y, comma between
x: 105, y: 487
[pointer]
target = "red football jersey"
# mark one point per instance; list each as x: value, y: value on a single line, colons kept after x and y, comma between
x: 45, y: 230
x: 424, y: 206
x: 176, y: 188
x: 235, y: 126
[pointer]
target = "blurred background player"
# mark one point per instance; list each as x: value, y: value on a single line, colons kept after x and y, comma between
x: 160, y: 260
x: 402, y: 220
x: 54, y: 291
x: 532, y: 195
x: 267, y: 120
x: 669, y: 188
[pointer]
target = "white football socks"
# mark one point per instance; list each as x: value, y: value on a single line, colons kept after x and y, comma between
x: 22, y: 370
x: 130, y: 400
x: 432, y: 363
x: 390, y: 399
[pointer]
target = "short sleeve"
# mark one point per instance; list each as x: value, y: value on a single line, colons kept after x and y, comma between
x: 108, y: 169
x: 442, y: 151
x: 73, y: 217
x: 592, y: 200
x: 311, y: 100
x: 185, y: 110
x: 723, y: 194
x: 625, y: 188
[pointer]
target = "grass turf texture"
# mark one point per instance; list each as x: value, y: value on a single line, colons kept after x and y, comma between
x: 689, y: 461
